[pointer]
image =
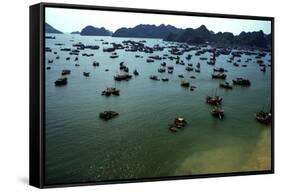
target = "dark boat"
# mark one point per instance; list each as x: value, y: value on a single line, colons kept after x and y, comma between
x: 136, y: 73
x: 180, y: 76
x: 185, y: 83
x: 235, y: 64
x: 189, y: 68
x: 241, y: 82
x: 110, y: 91
x: 77, y: 65
x: 226, y: 85
x: 215, y: 100
x: 67, y: 58
x: 244, y: 65
x: 198, y: 65
x: 192, y: 77
x: 161, y: 70
x: 121, y: 77
x: 153, y: 77
x: 61, y: 82
x: 189, y: 57
x: 263, y: 117
x: 179, y: 123
x: 197, y: 70
x: 87, y: 74
x: 219, y: 76
x: 219, y: 70
x: 106, y: 115
x: 263, y: 69
x: 76, y: 59
x: 165, y: 79
x: 65, y: 49
x: 114, y: 56
x: 192, y: 88
x: 170, y: 67
x: 163, y: 64
x: 126, y: 69
x: 50, y: 61
x: 65, y: 72
x: 149, y: 60
x: 170, y: 71
x: 203, y: 58
x: 211, y: 62
x: 48, y: 67
x: 217, y: 112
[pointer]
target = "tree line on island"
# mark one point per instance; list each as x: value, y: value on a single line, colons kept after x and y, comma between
x: 199, y: 35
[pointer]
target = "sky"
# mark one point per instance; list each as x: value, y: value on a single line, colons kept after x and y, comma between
x: 69, y: 20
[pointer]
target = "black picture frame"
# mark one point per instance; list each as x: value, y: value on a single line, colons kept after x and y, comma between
x: 37, y: 92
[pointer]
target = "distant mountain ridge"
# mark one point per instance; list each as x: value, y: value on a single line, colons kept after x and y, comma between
x: 200, y: 35
x: 50, y: 29
x: 94, y: 31
x: 203, y: 35
x: 146, y: 31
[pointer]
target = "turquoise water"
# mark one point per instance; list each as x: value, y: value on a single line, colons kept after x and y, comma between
x: 137, y: 144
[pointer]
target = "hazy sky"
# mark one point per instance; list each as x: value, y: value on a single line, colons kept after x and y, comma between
x: 69, y: 20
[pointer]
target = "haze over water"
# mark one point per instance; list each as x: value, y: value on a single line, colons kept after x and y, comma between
x: 81, y: 147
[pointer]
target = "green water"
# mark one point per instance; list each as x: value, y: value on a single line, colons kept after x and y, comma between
x: 137, y: 144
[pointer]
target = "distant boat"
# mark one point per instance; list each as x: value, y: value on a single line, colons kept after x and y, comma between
x: 161, y: 70
x: 226, y: 85
x: 263, y: 117
x: 109, y: 91
x: 217, y: 112
x: 189, y: 68
x: 219, y: 70
x: 121, y: 77
x: 165, y: 79
x: 65, y: 72
x: 180, y: 76
x: 149, y: 60
x: 106, y: 115
x: 211, y: 62
x: 215, y: 100
x: 153, y: 77
x: 61, y: 82
x: 136, y: 73
x: 179, y: 123
x: 86, y: 74
x: 114, y: 56
x: 241, y: 82
x: 219, y: 76
x: 185, y: 83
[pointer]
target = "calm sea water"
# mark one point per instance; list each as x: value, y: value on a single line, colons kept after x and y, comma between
x: 137, y: 144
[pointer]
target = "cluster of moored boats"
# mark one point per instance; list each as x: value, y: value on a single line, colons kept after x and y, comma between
x: 175, y: 51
